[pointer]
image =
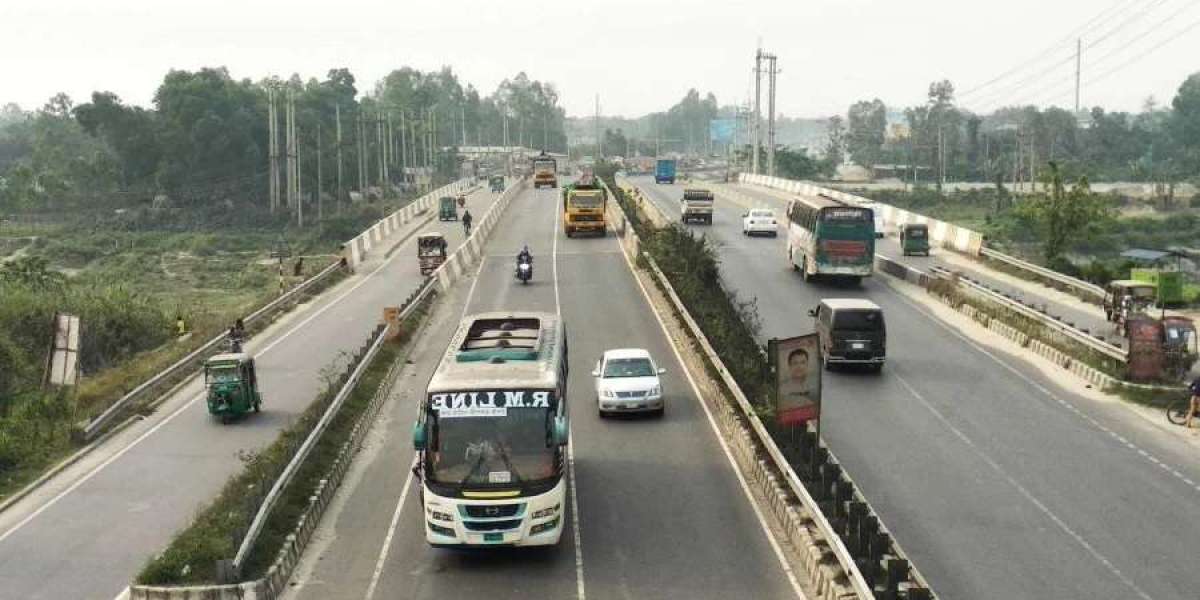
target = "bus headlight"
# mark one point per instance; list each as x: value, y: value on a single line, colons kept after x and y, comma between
x: 441, y: 516
x: 545, y: 512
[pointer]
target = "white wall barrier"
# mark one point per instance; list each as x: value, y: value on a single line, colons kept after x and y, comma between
x: 355, y: 251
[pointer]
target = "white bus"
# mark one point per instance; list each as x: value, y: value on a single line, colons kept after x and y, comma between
x: 830, y: 237
x: 492, y: 433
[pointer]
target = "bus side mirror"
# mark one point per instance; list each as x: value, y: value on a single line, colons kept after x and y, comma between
x: 561, y: 431
x: 419, y: 439
x: 812, y: 312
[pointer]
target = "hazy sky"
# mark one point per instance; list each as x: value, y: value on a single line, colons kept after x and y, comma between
x: 640, y: 56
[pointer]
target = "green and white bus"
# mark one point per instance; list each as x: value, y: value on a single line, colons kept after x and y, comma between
x: 830, y: 237
x: 492, y: 433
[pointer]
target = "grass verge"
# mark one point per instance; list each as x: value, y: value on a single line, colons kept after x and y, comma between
x: 215, y: 533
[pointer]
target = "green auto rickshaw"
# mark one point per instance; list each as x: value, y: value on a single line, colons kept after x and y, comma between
x: 497, y: 183
x: 232, y: 386
x: 914, y: 239
x: 446, y: 209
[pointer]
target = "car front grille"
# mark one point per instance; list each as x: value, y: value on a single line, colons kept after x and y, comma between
x: 631, y: 394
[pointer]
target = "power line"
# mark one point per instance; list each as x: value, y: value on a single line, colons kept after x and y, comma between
x: 1001, y: 95
x: 1046, y: 51
x: 1056, y: 89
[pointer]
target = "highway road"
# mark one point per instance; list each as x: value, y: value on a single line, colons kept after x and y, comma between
x: 1071, y: 310
x: 660, y: 510
x: 86, y: 533
x: 998, y: 480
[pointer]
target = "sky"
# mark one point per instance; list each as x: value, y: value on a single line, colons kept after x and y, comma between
x: 639, y: 56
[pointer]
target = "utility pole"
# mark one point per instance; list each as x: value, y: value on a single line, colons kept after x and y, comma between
x: 772, y: 71
x: 273, y: 145
x: 463, y: 110
x: 403, y: 151
x: 299, y: 185
x: 290, y: 134
x: 381, y: 155
x: 341, y: 188
x: 1079, y: 61
x: 758, y: 57
x: 599, y: 140
x: 360, y: 141
x: 320, y: 189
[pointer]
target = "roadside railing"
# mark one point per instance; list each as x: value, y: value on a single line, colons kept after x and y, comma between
x: 942, y: 233
x: 97, y: 425
x: 448, y: 273
x: 866, y: 552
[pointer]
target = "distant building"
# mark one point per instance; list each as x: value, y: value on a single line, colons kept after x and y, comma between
x: 897, y: 132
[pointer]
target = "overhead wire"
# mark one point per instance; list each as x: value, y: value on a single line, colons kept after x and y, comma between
x: 1002, y: 96
x: 1064, y: 86
x: 1049, y: 49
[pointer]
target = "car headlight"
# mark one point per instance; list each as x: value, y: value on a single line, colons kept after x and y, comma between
x: 607, y: 394
x: 656, y: 391
x: 545, y: 512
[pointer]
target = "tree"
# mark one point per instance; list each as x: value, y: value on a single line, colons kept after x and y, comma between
x: 795, y: 164
x: 866, y: 127
x: 835, y: 145
x: 1063, y: 217
x: 1185, y: 121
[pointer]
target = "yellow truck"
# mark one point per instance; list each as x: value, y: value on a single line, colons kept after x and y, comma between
x: 583, y: 206
x: 544, y: 171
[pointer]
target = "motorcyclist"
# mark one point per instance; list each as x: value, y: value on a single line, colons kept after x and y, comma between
x: 525, y: 256
x: 466, y: 221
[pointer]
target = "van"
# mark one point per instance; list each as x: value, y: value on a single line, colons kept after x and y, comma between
x: 851, y: 331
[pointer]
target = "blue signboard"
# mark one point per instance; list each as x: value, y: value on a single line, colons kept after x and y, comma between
x: 721, y: 130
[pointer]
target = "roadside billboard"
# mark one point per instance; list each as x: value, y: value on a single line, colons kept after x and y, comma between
x: 720, y: 131
x: 797, y: 379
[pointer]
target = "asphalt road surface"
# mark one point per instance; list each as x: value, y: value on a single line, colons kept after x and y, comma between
x: 661, y: 513
x: 995, y: 479
x: 87, y: 533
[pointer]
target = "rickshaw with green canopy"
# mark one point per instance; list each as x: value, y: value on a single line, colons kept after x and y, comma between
x: 232, y: 386
x: 446, y: 209
x: 497, y: 183
x: 914, y: 239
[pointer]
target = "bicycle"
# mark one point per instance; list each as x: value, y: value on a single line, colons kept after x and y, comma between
x: 1177, y: 410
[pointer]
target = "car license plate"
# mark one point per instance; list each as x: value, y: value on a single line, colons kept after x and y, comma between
x: 858, y: 345
x: 493, y: 537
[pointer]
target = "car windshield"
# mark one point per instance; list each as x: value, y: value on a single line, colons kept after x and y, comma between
x: 507, y: 448
x: 628, y: 367
x: 858, y: 320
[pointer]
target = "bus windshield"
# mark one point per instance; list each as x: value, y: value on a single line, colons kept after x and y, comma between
x: 508, y: 446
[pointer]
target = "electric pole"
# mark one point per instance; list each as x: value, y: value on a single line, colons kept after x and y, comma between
x: 599, y: 140
x: 463, y: 111
x: 1079, y: 59
x: 290, y: 133
x: 273, y: 144
x: 341, y: 188
x: 772, y: 71
x: 758, y: 58
x: 320, y: 189
x: 403, y: 150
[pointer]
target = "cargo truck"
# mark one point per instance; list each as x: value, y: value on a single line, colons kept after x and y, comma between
x: 664, y: 171
x: 545, y: 170
x: 583, y: 206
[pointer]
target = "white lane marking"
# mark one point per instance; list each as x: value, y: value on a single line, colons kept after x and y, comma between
x: 580, y: 592
x: 387, y: 541
x: 1027, y: 379
x: 90, y: 474
x: 1020, y: 488
x: 762, y: 521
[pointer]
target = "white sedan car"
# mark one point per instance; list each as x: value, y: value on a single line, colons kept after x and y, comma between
x: 627, y: 381
x: 760, y: 220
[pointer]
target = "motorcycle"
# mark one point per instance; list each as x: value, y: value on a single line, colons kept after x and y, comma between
x: 524, y: 272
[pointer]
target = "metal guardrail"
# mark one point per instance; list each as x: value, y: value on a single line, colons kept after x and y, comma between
x: 828, y: 531
x: 293, y: 466
x: 1070, y: 332
x: 97, y: 425
x: 1080, y: 286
